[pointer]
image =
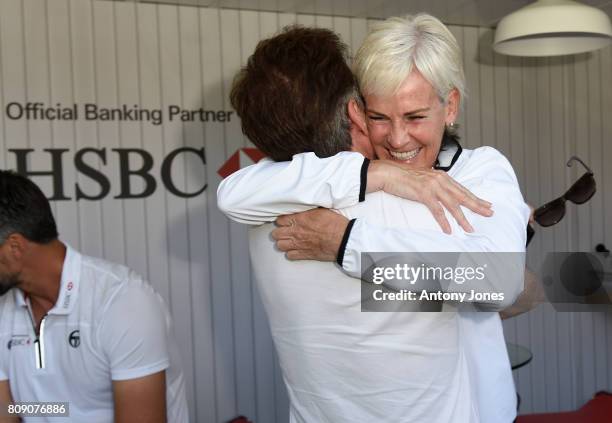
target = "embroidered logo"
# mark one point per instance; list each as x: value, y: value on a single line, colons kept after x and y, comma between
x: 74, y: 339
x: 19, y: 341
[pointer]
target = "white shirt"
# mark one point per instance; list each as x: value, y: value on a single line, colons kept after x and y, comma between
x: 261, y: 192
x: 108, y: 325
x: 343, y: 365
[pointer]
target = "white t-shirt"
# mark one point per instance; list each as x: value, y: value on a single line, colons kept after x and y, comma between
x: 108, y: 325
x: 259, y: 193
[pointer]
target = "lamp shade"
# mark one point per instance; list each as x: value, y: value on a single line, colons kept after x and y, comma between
x: 553, y: 28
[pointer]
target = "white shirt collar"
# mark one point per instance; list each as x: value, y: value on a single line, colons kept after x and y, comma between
x: 69, y: 285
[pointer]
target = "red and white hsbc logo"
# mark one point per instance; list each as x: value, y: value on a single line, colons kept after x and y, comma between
x: 241, y: 158
x: 19, y: 341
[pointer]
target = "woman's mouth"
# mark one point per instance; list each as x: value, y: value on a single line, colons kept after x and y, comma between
x: 405, y: 155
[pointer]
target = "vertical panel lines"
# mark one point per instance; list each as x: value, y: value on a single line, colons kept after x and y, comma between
x: 142, y: 133
x: 3, y: 154
x: 74, y: 99
x: 537, y: 112
x: 209, y: 205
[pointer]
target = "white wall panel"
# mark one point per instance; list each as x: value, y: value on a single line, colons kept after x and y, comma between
x: 285, y: 19
x: 359, y: 29
x: 214, y: 392
x: 473, y: 125
x: 72, y: 70
x: 486, y: 87
x: 536, y: 111
x: 106, y: 87
x: 239, y: 266
x: 218, y: 226
x: 247, y: 26
x: 306, y: 20
x: 36, y: 68
x: 14, y: 89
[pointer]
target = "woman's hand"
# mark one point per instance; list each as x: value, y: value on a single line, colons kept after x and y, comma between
x: 433, y: 188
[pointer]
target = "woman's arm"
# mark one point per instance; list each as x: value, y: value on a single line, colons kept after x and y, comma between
x: 262, y: 192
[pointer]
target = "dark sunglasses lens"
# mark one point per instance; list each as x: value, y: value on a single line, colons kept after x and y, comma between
x: 582, y: 190
x: 550, y: 213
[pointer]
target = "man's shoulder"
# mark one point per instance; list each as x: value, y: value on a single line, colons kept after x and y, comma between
x: 102, y: 271
x: 104, y: 280
x: 7, y: 309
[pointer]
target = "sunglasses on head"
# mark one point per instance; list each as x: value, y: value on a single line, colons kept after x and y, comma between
x: 580, y: 192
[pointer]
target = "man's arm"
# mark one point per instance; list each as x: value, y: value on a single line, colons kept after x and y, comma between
x: 318, y: 235
x: 141, y: 400
x: 6, y: 399
x: 134, y: 337
x: 533, y: 294
x: 531, y: 297
x: 262, y: 192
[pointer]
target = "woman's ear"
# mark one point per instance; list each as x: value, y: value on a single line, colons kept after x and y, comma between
x: 452, y: 106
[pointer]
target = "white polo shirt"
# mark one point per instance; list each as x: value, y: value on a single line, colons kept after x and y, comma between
x: 108, y: 325
x: 342, y: 365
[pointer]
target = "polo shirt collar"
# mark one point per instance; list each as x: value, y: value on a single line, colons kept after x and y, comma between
x: 69, y: 285
x: 20, y: 298
x: 449, y: 153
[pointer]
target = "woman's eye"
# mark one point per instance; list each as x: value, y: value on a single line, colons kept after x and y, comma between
x: 378, y: 118
x: 416, y: 117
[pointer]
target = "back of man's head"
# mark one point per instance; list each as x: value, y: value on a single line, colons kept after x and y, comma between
x: 293, y: 93
x: 24, y: 209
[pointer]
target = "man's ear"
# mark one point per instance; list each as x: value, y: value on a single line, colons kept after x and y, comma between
x: 357, y: 116
x: 359, y: 130
x: 17, y: 245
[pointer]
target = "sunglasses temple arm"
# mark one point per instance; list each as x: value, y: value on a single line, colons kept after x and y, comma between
x: 571, y: 161
x: 530, y: 234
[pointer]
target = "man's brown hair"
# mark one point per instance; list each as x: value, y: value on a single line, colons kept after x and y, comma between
x: 293, y: 93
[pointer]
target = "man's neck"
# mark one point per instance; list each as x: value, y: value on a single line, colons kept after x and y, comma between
x: 43, y: 275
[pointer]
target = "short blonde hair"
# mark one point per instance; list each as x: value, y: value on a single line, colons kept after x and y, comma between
x: 394, y: 47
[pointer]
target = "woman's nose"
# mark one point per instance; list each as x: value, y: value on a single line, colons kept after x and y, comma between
x: 398, y: 137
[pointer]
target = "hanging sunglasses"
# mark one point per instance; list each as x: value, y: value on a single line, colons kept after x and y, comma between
x: 579, y: 193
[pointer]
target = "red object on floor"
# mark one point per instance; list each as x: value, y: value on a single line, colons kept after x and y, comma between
x: 240, y: 419
x: 597, y: 410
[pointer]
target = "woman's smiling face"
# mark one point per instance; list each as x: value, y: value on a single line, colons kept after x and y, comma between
x: 408, y: 126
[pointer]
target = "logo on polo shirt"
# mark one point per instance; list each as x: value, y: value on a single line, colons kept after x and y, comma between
x: 19, y: 341
x: 74, y: 339
x: 68, y: 297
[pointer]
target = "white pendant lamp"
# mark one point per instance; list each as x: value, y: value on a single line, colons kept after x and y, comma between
x: 553, y: 28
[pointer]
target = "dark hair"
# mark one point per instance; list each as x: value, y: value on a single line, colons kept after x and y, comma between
x: 293, y: 93
x: 24, y: 209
